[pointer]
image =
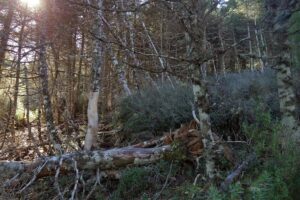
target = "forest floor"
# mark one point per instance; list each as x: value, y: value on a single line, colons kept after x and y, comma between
x: 159, y: 180
x: 180, y: 177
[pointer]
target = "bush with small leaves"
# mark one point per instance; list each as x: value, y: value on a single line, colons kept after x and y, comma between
x: 232, y: 97
x: 156, y: 109
x: 133, y: 182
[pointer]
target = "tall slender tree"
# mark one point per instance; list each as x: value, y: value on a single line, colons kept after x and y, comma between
x: 97, y: 62
x: 280, y: 12
x: 4, y: 36
x: 43, y: 73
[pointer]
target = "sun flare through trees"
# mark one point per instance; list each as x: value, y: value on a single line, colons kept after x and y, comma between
x: 149, y: 99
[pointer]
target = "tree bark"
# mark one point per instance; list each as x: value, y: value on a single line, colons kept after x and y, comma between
x: 200, y: 92
x: 222, y: 56
x: 79, y: 89
x: 251, y: 64
x: 43, y: 70
x: 281, y: 12
x: 202, y: 104
x: 237, y: 64
x: 18, y: 68
x: 27, y: 106
x: 189, y: 138
x: 55, y: 92
x: 161, y: 60
x: 258, y: 45
x: 5, y: 34
x: 104, y: 160
x: 121, y: 72
x: 97, y: 56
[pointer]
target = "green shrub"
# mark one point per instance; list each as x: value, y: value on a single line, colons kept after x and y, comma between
x: 156, y: 109
x: 269, y: 186
x: 279, y: 156
x: 235, y: 96
x: 276, y: 175
x: 232, y: 97
x: 264, y: 133
x: 215, y: 194
x: 133, y: 182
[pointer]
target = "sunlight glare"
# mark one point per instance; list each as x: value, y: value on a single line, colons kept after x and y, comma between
x: 31, y: 3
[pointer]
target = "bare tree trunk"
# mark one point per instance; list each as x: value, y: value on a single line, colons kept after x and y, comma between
x: 161, y: 60
x: 27, y: 106
x: 5, y: 34
x: 139, y: 154
x: 97, y: 56
x: 282, y: 11
x: 222, y: 56
x: 129, y: 24
x: 56, y: 89
x: 82, y: 47
x: 121, y: 73
x: 263, y: 43
x: 70, y: 103
x: 202, y: 104
x: 250, y: 47
x: 258, y: 44
x: 104, y: 160
x: 43, y: 69
x: 237, y: 64
x: 203, y: 66
x: 18, y: 68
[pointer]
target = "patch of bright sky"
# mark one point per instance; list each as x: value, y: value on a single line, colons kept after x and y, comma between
x: 222, y: 3
x: 32, y: 4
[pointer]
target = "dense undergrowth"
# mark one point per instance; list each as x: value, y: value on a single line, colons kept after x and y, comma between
x: 274, y: 175
x: 246, y: 112
x: 232, y: 99
x: 243, y: 107
x: 156, y: 109
x: 276, y: 172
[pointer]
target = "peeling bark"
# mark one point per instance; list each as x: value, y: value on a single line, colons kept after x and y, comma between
x: 201, y: 101
x: 103, y: 160
x: 97, y: 56
x: 43, y: 70
x: 93, y: 118
x: 281, y: 12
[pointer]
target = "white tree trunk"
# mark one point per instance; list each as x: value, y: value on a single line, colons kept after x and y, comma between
x: 121, y: 72
x: 97, y: 56
x: 258, y: 44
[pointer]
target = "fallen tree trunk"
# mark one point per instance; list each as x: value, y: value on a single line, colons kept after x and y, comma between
x: 103, y: 160
x: 187, y: 140
x: 139, y: 154
x: 237, y: 172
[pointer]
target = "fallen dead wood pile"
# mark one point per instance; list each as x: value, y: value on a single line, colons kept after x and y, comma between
x: 187, y: 137
x: 139, y: 154
x: 103, y: 160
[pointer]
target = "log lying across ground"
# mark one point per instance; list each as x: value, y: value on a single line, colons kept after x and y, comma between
x: 103, y: 160
x: 116, y: 158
